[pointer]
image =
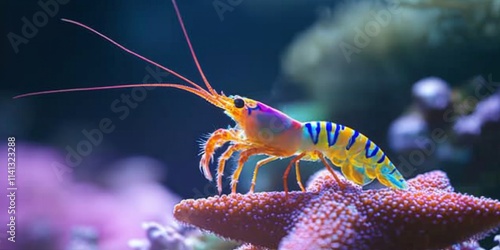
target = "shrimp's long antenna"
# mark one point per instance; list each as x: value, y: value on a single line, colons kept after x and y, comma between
x: 132, y: 52
x: 195, y: 58
x: 201, y: 93
x: 211, y: 97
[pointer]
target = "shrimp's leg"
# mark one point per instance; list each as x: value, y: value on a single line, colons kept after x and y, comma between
x: 216, y: 140
x: 299, y: 178
x: 287, y: 171
x: 243, y: 158
x: 257, y: 166
x: 222, y: 163
x: 327, y: 165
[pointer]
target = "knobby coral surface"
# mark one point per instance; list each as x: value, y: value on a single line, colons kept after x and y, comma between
x: 430, y: 215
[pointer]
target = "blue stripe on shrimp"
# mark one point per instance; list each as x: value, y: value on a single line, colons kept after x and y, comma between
x: 313, y: 134
x: 329, y: 134
x: 250, y: 109
x: 352, y: 139
x: 318, y: 131
x: 381, y: 158
x: 335, y: 135
x: 367, y: 149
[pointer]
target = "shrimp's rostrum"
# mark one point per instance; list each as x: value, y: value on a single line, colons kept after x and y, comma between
x: 263, y: 130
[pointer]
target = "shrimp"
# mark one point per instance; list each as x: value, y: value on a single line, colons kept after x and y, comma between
x: 263, y: 130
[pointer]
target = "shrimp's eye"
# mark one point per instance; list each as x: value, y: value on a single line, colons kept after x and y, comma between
x: 239, y: 103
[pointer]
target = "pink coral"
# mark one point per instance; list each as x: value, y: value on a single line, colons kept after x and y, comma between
x: 50, y: 209
x: 428, y: 215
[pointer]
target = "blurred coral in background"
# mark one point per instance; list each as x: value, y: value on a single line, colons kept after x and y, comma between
x: 369, y: 52
x: 453, y: 128
x: 58, y: 213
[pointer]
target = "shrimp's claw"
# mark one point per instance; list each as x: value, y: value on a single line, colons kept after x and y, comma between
x: 216, y: 140
x: 205, y: 166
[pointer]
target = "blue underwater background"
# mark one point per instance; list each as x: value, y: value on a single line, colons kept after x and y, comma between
x: 419, y: 78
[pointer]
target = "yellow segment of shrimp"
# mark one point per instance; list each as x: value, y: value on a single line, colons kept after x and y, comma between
x: 359, y: 158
